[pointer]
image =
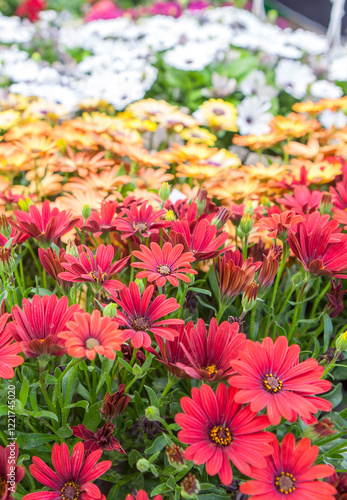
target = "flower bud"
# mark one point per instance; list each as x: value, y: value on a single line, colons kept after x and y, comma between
x: 143, y: 465
x: 170, y: 215
x: 246, y: 223
x: 320, y: 429
x: 137, y: 370
x: 86, y: 212
x: 265, y: 202
x: 325, y: 204
x: 175, y: 455
x: 140, y: 283
x: 25, y: 204
x: 152, y: 413
x: 190, y: 486
x: 341, y: 341
x: 250, y: 297
x: 7, y: 262
x: 297, y: 279
x: 5, y: 226
x: 113, y: 405
x: 164, y: 191
x: 71, y: 249
x: 201, y: 201
x: 249, y: 208
x: 221, y: 217
x: 110, y: 310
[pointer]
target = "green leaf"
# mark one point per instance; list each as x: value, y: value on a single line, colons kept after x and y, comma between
x: 140, y: 407
x: 45, y: 414
x: 158, y: 445
x: 24, y: 392
x: 201, y: 290
x: 152, y: 396
x: 335, y: 396
x: 199, y: 299
x: 32, y: 441
x: 125, y: 365
x: 79, y: 404
x: 92, y: 418
x: 65, y: 432
x: 328, y: 330
x: 162, y: 488
x: 134, y: 456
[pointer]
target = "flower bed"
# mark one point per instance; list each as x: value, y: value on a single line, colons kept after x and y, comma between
x: 172, y: 320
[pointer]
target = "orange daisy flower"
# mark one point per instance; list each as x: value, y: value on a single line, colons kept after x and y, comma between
x: 88, y: 335
x: 294, y: 125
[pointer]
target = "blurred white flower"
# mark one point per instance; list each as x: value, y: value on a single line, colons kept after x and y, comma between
x: 333, y: 119
x: 253, y: 116
x: 325, y: 90
x: 294, y: 77
x: 255, y: 84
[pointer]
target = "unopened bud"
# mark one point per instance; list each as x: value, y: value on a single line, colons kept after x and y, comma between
x: 320, y: 429
x: 25, y: 204
x: 137, y: 370
x: 326, y: 204
x: 114, y: 404
x: 71, y: 249
x: 86, y: 212
x: 190, y: 486
x: 140, y: 283
x: 222, y: 216
x: 110, y: 310
x: 152, y: 413
x: 7, y: 262
x: 249, y: 208
x: 246, y: 223
x: 164, y: 191
x: 250, y: 297
x: 5, y: 226
x: 265, y: 202
x: 175, y: 455
x: 201, y: 201
x: 143, y: 465
x: 341, y: 341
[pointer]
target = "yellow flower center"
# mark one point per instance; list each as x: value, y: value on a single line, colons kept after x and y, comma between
x: 272, y: 383
x: 221, y: 435
x: 70, y: 491
x: 164, y: 270
x: 212, y: 370
x: 91, y: 343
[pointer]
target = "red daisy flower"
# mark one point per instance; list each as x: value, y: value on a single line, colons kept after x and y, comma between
x: 8, y: 350
x: 168, y: 263
x: 319, y: 246
x: 37, y: 325
x: 96, y: 270
x: 339, y: 194
x: 199, y: 237
x: 44, y: 226
x: 73, y: 476
x: 88, y: 335
x: 103, y: 439
x: 209, y: 352
x: 8, y: 456
x: 290, y: 473
x: 141, y: 315
x: 142, y: 495
x: 271, y: 376
x: 219, y: 430
x: 103, y: 222
x: 302, y: 201
x: 140, y: 220
x: 278, y: 225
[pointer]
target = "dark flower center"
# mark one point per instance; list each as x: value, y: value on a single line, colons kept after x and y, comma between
x: 285, y: 483
x: 272, y: 384
x: 218, y: 112
x: 70, y: 491
x: 140, y: 324
x: 91, y: 343
x: 141, y: 226
x: 212, y: 370
x: 165, y: 270
x: 221, y: 435
x: 2, y: 485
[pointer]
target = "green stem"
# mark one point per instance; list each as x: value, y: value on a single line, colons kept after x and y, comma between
x: 21, y: 269
x: 296, y: 312
x: 32, y: 253
x: 222, y: 308
x: 252, y: 333
x: 130, y: 384
x: 318, y: 299
x: 170, y: 383
x: 21, y: 288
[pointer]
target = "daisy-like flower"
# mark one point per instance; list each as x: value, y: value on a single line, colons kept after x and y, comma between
x: 72, y: 477
x: 339, y: 194
x: 253, y: 116
x: 217, y: 114
x: 142, y: 495
x: 141, y: 316
x: 319, y: 246
x: 88, y: 335
x: 302, y: 201
x: 199, y: 237
x: 166, y: 264
x: 38, y: 323
x: 102, y: 439
x: 290, y: 473
x: 52, y: 263
x: 219, y: 430
x: 44, y: 226
x: 140, y: 220
x: 270, y: 375
x: 8, y: 470
x: 103, y: 222
x: 96, y: 270
x: 8, y: 351
x: 279, y: 224
x: 209, y: 352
